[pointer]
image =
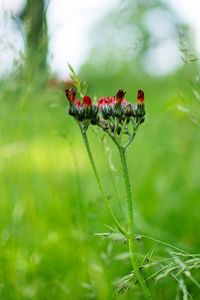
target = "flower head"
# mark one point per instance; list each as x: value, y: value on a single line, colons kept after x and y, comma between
x: 140, y: 97
x: 81, y: 110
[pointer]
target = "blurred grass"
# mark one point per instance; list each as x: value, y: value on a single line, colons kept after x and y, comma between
x: 50, y: 204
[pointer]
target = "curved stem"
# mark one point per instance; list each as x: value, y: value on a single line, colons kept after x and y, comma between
x: 131, y: 233
x: 85, y: 139
x: 135, y: 127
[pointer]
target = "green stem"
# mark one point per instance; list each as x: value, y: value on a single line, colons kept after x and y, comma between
x: 85, y: 139
x: 131, y: 233
x: 135, y: 128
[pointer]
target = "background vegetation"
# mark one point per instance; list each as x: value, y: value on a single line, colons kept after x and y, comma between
x: 49, y: 201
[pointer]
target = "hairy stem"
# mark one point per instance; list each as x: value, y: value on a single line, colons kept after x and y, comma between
x: 131, y: 233
x: 85, y: 139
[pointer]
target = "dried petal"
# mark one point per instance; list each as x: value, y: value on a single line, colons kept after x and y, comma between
x: 70, y: 94
x: 120, y: 96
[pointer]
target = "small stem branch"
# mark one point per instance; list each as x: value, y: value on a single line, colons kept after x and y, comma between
x: 135, y: 127
x: 131, y: 233
x: 122, y: 129
x: 85, y: 139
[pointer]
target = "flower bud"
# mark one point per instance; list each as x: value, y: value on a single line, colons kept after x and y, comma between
x: 127, y: 110
x: 117, y: 111
x: 72, y: 111
x: 120, y: 96
x: 70, y: 94
x: 140, y: 97
x: 94, y: 111
x: 134, y: 109
x: 87, y: 101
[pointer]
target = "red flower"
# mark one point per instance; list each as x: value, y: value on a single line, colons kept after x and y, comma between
x: 111, y: 100
x: 87, y: 101
x: 77, y: 103
x: 107, y: 104
x: 106, y: 101
x: 103, y: 101
x: 140, y: 97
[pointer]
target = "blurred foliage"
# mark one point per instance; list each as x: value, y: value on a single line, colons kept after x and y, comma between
x: 35, y: 25
x: 126, y: 35
x: 191, y: 60
x: 49, y: 202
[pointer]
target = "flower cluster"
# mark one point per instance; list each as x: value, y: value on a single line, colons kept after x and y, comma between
x: 81, y: 111
x: 112, y: 113
x: 118, y: 107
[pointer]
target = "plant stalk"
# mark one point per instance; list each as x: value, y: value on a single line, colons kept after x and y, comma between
x: 119, y: 226
x: 131, y: 233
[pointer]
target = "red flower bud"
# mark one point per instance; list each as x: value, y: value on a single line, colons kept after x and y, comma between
x: 106, y: 101
x: 77, y: 103
x: 120, y: 96
x: 87, y: 101
x: 70, y: 94
x: 111, y: 100
x: 102, y: 101
x: 140, y: 97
